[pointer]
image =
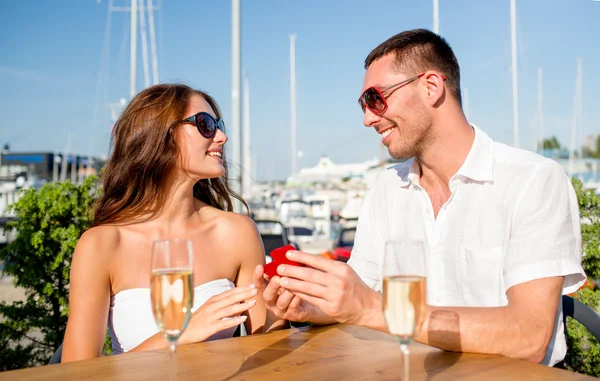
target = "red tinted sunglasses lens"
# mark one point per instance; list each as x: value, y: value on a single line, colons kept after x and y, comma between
x: 373, y: 100
x: 206, y: 125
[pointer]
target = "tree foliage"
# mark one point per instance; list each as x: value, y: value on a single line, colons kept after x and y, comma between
x: 49, y: 223
x: 551, y: 143
x: 583, y: 353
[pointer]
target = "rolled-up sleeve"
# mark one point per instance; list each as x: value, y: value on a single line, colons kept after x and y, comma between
x: 545, y: 239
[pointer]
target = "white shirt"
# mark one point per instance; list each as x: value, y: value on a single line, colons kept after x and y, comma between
x: 512, y: 217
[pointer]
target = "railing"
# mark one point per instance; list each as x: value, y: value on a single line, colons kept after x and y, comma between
x: 5, y: 236
x: 7, y: 199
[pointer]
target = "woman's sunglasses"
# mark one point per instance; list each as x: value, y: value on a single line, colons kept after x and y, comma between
x: 205, y: 123
x: 375, y: 100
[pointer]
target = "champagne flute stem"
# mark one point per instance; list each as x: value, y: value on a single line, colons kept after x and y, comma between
x: 172, y: 363
x: 405, y: 361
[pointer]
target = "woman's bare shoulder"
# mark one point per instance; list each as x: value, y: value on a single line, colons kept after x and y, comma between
x: 98, y: 243
x: 104, y: 235
x: 226, y: 222
x: 236, y: 237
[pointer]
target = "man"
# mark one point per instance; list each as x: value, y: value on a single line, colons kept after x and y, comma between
x: 501, y: 224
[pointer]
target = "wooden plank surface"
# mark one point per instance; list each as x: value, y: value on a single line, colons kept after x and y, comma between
x: 337, y: 352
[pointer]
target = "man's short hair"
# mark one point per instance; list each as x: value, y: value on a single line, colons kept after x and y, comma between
x: 419, y: 50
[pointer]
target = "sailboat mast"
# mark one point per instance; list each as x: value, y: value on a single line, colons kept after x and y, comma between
x: 247, y: 167
x: 515, y: 100
x: 576, y: 112
x: 539, y: 144
x: 144, y: 44
x: 133, y: 49
x: 236, y: 63
x: 293, y: 99
x: 152, y: 42
x: 436, y: 17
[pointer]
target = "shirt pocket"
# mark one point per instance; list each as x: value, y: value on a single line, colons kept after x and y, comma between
x: 482, y: 276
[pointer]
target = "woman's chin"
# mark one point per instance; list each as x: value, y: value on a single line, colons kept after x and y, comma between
x: 220, y: 172
x: 213, y: 173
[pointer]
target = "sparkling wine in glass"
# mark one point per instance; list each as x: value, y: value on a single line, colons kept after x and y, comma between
x: 171, y: 287
x: 404, y: 292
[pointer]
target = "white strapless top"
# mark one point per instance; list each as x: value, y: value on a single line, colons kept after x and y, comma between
x: 131, y: 321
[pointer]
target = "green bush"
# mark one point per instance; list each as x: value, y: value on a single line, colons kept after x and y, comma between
x: 50, y: 221
x: 583, y: 355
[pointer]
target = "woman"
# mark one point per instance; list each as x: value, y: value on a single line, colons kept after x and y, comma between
x: 165, y: 178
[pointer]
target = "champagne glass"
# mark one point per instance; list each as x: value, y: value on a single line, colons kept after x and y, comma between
x: 404, y: 292
x: 171, y: 287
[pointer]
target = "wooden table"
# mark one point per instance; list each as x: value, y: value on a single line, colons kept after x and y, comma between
x: 337, y: 352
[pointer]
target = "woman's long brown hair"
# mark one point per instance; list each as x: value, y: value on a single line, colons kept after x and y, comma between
x: 144, y: 154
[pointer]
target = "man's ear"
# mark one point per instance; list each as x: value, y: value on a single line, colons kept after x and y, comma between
x: 434, y: 86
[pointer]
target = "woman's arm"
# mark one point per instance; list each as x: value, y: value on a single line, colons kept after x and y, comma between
x: 89, y: 296
x: 243, y: 241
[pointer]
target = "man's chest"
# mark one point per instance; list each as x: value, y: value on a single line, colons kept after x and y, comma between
x: 468, y: 216
x: 466, y: 243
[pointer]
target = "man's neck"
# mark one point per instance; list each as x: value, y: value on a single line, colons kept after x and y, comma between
x: 440, y: 161
x: 446, y: 153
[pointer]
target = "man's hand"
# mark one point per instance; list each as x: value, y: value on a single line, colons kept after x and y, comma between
x: 326, y: 288
x: 281, y: 302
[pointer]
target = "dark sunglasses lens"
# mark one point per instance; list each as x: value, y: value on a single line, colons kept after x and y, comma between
x: 361, y: 102
x: 206, y: 125
x: 373, y: 100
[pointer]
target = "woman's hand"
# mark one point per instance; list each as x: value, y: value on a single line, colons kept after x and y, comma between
x: 219, y: 313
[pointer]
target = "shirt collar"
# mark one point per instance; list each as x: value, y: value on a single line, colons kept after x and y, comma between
x: 478, y: 165
x: 412, y: 175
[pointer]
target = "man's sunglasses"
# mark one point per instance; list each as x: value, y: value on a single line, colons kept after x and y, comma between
x: 205, y: 123
x: 375, y: 99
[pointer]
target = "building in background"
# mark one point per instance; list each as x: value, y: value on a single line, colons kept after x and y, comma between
x: 46, y: 166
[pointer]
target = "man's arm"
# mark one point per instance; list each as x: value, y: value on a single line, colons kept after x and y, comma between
x: 522, y: 329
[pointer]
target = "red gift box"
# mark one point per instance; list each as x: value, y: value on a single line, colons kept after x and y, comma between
x: 279, y: 258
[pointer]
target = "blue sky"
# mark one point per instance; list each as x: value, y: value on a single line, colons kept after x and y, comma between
x: 52, y: 82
